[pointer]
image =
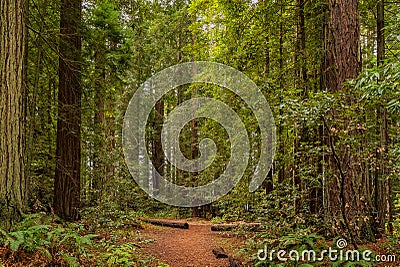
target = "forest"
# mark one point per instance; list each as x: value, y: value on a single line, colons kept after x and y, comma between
x: 199, y: 133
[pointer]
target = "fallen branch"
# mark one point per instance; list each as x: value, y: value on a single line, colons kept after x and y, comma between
x: 180, y: 225
x: 221, y: 254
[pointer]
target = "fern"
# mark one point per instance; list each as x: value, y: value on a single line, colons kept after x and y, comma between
x: 120, y: 255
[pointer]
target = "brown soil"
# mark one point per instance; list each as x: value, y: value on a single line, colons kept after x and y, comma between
x: 183, y: 248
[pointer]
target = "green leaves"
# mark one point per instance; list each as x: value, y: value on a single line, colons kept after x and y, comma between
x: 48, y: 239
x: 120, y: 254
x: 381, y: 85
x: 31, y: 239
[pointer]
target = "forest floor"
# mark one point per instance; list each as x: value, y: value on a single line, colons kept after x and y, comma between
x: 193, y: 247
x: 190, y: 247
x: 129, y: 241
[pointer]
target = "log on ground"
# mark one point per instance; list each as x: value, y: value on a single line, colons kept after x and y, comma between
x: 221, y: 254
x: 181, y: 225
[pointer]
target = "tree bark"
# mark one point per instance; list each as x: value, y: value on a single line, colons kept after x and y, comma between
x: 13, y: 183
x: 348, y: 209
x: 380, y: 25
x: 99, y: 128
x: 158, y: 153
x: 68, y: 156
x: 383, y: 201
x: 167, y: 223
x: 281, y: 140
x: 342, y: 52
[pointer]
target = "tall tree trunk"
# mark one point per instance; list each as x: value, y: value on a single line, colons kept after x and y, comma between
x: 383, y: 201
x: 281, y: 140
x: 301, y: 77
x: 301, y: 44
x: 195, y: 154
x: 13, y: 183
x: 348, y: 207
x: 99, y: 131
x: 68, y: 152
x: 268, y: 183
x: 380, y: 25
x: 342, y: 55
x: 158, y: 153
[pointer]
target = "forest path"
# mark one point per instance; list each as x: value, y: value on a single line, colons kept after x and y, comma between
x: 185, y: 247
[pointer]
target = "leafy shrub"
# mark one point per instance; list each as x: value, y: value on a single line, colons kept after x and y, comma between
x: 48, y: 238
x: 117, y: 255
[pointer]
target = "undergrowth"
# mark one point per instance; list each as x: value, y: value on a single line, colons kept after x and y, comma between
x: 104, y: 237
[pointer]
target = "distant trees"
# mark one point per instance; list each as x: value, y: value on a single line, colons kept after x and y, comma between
x: 13, y: 183
x: 336, y: 156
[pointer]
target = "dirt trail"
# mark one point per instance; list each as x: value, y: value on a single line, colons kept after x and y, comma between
x: 184, y: 248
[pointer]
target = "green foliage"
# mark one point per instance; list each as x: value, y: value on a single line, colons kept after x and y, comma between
x: 396, y: 222
x: 109, y: 216
x: 48, y: 238
x: 29, y: 235
x: 301, y: 241
x: 120, y: 255
x: 124, y: 42
x: 381, y: 85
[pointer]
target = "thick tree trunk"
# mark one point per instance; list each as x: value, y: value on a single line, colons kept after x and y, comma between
x: 13, y: 183
x: 342, y: 54
x: 348, y: 208
x: 68, y: 156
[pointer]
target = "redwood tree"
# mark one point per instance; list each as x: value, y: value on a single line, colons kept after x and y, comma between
x: 68, y: 156
x: 13, y: 184
x: 349, y: 207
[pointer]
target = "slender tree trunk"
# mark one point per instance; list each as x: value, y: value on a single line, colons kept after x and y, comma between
x: 267, y: 49
x: 301, y: 77
x: 99, y: 125
x: 194, y: 138
x: 110, y: 165
x: 281, y: 143
x: 383, y: 202
x: 301, y: 40
x: 268, y: 183
x: 68, y: 152
x: 13, y: 183
x: 158, y: 153
x: 195, y: 153
x: 380, y: 25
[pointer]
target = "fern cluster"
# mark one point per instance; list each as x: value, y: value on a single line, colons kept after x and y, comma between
x: 37, y: 233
